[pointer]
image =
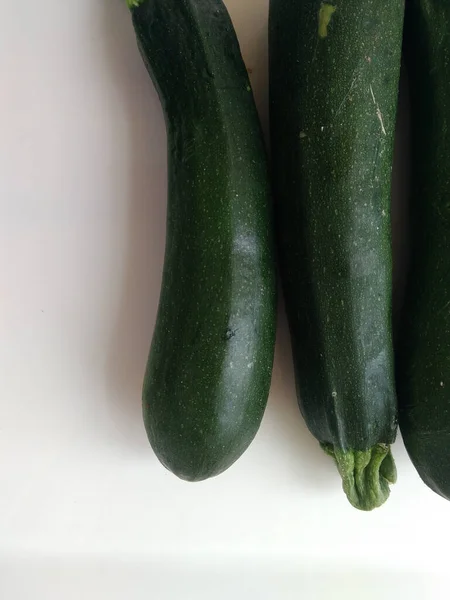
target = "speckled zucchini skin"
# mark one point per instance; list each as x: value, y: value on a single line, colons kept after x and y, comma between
x: 424, y: 345
x: 334, y: 72
x: 210, y: 364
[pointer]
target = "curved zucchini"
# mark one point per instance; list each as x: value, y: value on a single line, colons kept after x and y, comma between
x: 209, y: 369
x: 424, y: 346
x: 334, y: 71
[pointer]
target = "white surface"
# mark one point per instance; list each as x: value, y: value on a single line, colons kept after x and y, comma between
x: 86, y: 510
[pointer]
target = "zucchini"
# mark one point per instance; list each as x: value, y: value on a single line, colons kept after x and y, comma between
x: 210, y: 363
x: 334, y: 73
x: 423, y: 372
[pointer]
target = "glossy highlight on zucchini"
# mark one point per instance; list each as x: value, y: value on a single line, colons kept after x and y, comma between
x: 209, y: 369
x: 334, y: 73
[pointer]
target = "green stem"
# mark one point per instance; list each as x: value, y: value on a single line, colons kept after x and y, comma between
x: 366, y: 475
x: 134, y: 3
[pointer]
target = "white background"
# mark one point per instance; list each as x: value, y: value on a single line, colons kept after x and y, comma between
x: 86, y: 510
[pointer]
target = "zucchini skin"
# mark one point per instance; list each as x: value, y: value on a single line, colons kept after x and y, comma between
x: 210, y: 364
x: 334, y: 73
x: 423, y: 372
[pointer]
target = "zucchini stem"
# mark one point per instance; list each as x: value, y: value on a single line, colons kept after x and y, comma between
x: 366, y: 475
x: 134, y: 3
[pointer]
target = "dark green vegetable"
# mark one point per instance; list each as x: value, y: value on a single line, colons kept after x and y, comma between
x: 210, y: 364
x: 424, y: 344
x: 334, y: 71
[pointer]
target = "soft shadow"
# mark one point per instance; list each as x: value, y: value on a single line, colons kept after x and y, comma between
x: 401, y: 189
x: 144, y: 224
x: 303, y: 452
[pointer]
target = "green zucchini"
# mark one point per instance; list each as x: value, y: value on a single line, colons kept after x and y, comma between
x: 334, y: 72
x: 210, y: 363
x: 423, y: 370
